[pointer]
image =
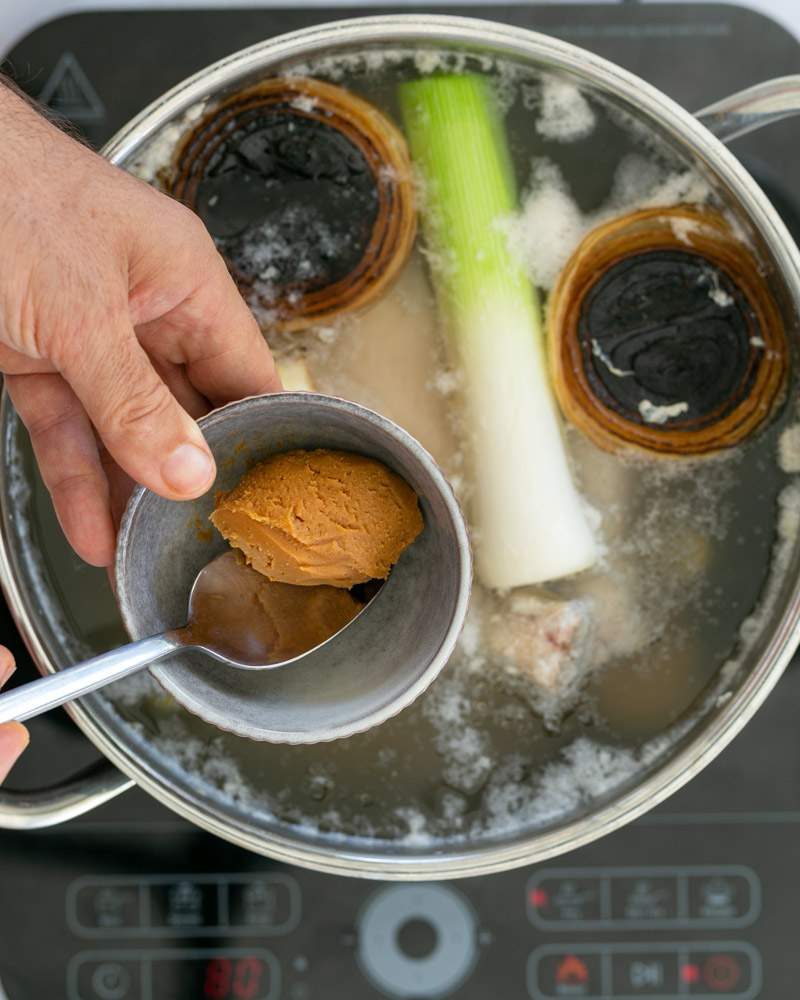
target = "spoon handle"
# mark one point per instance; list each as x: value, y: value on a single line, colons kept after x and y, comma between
x: 47, y: 692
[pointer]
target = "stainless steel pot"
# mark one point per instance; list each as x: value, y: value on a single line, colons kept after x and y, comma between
x: 702, y: 136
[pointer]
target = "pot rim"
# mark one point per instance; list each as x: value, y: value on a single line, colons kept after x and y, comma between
x: 718, y: 729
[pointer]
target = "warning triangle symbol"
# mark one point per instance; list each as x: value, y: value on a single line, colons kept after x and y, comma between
x: 69, y: 92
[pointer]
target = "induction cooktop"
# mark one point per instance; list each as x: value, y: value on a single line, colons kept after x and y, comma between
x: 699, y: 898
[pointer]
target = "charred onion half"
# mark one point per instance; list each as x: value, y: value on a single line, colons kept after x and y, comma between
x: 307, y: 190
x: 664, y: 336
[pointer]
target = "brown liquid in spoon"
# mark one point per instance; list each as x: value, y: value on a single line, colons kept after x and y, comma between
x: 241, y: 614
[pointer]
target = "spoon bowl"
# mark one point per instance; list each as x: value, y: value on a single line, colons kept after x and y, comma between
x: 221, y: 621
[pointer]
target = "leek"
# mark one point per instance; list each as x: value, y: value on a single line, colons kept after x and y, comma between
x: 294, y: 375
x: 528, y: 520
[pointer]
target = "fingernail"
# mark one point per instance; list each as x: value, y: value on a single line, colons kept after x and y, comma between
x: 6, y: 672
x: 13, y: 740
x: 188, y: 470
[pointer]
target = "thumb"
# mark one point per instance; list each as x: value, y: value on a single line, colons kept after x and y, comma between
x: 138, y: 419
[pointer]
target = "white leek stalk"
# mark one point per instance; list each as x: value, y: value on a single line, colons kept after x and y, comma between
x: 294, y: 375
x: 528, y: 519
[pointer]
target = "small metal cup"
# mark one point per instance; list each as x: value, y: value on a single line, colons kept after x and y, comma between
x: 377, y: 666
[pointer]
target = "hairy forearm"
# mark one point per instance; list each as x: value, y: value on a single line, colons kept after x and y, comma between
x: 16, y: 104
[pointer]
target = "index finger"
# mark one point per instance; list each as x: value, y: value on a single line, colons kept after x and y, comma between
x: 214, y: 334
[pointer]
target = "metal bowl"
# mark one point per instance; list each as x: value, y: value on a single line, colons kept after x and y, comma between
x: 369, y: 672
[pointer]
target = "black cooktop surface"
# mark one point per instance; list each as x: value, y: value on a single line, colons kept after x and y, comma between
x: 698, y: 899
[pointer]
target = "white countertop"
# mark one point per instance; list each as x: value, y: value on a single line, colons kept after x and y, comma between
x: 18, y: 17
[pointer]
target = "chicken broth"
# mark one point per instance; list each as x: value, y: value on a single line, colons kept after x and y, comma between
x: 560, y: 690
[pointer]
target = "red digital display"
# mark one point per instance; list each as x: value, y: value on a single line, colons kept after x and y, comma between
x: 233, y: 979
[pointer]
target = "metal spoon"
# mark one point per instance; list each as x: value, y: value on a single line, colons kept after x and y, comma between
x: 221, y: 621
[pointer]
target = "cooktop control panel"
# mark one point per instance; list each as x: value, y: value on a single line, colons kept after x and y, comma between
x: 154, y: 910
x: 419, y: 940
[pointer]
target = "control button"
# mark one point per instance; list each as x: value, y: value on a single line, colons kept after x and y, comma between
x: 723, y: 973
x: 183, y: 904
x: 105, y: 978
x: 106, y: 907
x: 417, y: 941
x: 644, y: 974
x: 726, y: 973
x: 568, y: 974
x: 111, y: 981
x: 268, y: 903
x: 720, y: 898
x: 643, y: 900
x: 568, y: 900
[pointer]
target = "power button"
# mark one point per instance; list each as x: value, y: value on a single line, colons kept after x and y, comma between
x: 110, y: 976
x: 723, y: 973
x: 111, y: 981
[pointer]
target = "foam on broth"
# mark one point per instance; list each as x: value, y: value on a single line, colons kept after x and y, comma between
x: 488, y: 749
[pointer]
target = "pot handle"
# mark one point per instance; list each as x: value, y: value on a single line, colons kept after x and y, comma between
x: 32, y: 810
x: 752, y: 108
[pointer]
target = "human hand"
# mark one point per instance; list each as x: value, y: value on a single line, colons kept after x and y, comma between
x: 13, y: 736
x: 119, y: 324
